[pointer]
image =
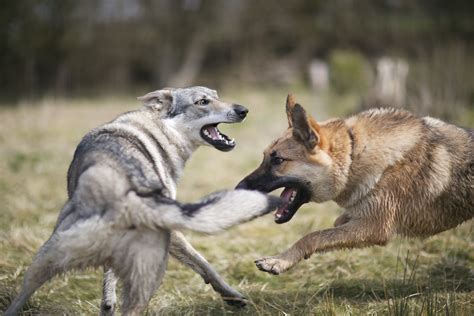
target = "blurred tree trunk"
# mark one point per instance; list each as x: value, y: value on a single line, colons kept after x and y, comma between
x: 30, y: 76
x: 192, y: 63
x: 164, y: 64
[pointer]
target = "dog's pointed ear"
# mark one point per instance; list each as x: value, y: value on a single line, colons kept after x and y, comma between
x: 305, y: 128
x: 158, y: 100
x: 290, y: 104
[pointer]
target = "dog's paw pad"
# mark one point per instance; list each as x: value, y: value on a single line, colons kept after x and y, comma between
x: 270, y: 265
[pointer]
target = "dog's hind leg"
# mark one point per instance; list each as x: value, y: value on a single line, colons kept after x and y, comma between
x: 141, y: 268
x: 183, y: 251
x: 109, y: 297
x: 43, y: 268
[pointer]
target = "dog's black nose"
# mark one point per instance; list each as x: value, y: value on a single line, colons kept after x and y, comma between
x: 240, y: 110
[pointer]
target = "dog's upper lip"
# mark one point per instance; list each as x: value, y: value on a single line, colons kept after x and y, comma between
x: 285, y: 182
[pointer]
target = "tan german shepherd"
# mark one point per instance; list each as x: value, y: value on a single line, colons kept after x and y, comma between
x: 393, y: 173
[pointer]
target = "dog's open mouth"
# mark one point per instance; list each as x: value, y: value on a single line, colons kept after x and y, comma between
x: 292, y: 199
x: 212, y: 135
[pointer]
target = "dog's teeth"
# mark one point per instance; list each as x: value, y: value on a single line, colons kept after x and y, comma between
x: 293, y: 195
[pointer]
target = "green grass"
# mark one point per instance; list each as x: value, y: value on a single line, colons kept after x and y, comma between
x: 407, y: 277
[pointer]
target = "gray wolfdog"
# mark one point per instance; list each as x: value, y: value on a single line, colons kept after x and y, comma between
x: 122, y: 214
x: 393, y: 173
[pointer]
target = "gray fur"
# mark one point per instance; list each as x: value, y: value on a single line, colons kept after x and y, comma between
x: 121, y: 212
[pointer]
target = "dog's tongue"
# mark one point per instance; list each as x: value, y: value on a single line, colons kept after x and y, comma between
x: 213, y: 132
x: 285, y: 196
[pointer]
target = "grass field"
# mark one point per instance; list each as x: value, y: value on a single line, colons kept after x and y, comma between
x: 407, y: 277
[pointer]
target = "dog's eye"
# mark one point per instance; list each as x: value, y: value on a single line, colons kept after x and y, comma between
x: 202, y: 102
x: 277, y: 160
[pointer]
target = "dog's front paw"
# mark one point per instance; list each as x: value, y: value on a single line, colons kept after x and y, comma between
x: 273, y: 265
x: 236, y: 300
x: 228, y: 294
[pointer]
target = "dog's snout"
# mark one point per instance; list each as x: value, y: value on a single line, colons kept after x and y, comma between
x: 240, y: 110
x: 242, y: 185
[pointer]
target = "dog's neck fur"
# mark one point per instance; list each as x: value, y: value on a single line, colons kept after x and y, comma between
x: 339, y: 147
x: 182, y: 145
x: 179, y: 147
x: 373, y: 157
x: 355, y: 186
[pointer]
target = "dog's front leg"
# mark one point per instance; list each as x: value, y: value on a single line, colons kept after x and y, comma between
x: 183, y: 251
x: 353, y: 234
x: 109, y: 297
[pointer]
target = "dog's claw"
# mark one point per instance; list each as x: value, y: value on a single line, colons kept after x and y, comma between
x: 230, y: 295
x: 107, y: 310
x: 239, y: 301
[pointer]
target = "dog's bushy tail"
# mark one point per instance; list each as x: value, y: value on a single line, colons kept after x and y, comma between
x: 211, y: 214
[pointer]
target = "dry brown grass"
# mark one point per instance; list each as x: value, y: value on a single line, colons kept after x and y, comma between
x: 407, y: 277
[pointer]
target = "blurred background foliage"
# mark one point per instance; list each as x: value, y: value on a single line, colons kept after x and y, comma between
x: 69, y: 65
x: 94, y: 47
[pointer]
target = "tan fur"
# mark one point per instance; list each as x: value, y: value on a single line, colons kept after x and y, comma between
x: 393, y: 173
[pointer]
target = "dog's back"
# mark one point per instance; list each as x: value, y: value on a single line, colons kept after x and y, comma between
x: 419, y: 171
